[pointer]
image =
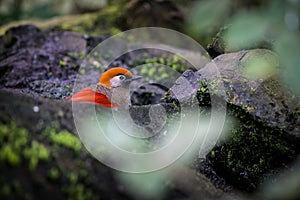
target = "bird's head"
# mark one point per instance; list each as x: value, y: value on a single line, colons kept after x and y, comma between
x: 111, y: 79
x: 117, y: 77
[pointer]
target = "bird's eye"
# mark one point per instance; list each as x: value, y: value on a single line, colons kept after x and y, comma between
x: 122, y: 77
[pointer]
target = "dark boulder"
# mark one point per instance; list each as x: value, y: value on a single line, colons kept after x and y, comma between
x: 266, y: 98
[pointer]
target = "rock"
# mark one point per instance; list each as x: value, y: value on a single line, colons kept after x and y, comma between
x: 65, y: 171
x: 262, y: 123
x: 36, y: 62
x: 22, y: 37
x: 265, y: 98
x: 68, y: 171
x: 148, y: 94
x: 34, y: 76
x: 185, y: 87
x: 48, y: 66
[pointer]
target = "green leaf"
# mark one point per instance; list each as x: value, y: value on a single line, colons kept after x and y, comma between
x: 288, y: 48
x: 246, y: 30
x: 206, y: 15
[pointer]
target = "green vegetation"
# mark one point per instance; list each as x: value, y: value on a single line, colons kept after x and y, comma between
x: 66, y: 139
x: 268, y: 24
x: 5, y: 191
x: 37, y: 152
x: 18, y: 149
x: 15, y: 146
x: 153, y: 67
x: 102, y: 22
x: 76, y: 189
x: 62, y: 63
x: 204, y: 14
x: 53, y: 173
x: 13, y: 140
x: 13, y: 188
x: 78, y: 192
x: 175, y: 62
x: 202, y: 95
x: 252, y: 151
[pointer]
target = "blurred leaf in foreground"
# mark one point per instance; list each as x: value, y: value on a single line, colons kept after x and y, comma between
x: 261, y: 66
x: 288, y: 48
x: 207, y: 16
x: 246, y: 30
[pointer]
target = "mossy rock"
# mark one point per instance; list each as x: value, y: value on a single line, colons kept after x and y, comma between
x: 262, y: 135
x: 40, y: 150
x: 249, y: 80
x: 252, y: 81
x: 46, y: 154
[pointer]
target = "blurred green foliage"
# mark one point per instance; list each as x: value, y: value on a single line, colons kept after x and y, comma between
x: 37, y: 152
x: 271, y: 22
x: 13, y: 10
x: 14, y: 146
x: 66, y: 139
x: 206, y: 15
x: 149, y: 71
x: 19, y: 9
x: 12, y: 142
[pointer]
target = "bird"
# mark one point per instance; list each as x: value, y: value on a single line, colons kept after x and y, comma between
x: 111, y: 91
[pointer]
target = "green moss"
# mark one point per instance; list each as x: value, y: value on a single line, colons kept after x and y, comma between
x: 100, y: 23
x: 152, y: 71
x: 12, y: 189
x: 53, y: 173
x: 5, y: 191
x: 252, y: 151
x: 202, y: 96
x: 164, y: 76
x: 82, y: 71
x: 73, y: 177
x: 212, y: 154
x: 62, y: 63
x: 10, y: 155
x: 75, y: 189
x: 36, y: 152
x: 66, y: 139
x: 78, y: 192
x: 12, y: 141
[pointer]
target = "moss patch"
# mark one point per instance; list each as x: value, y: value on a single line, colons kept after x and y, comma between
x: 65, y: 139
x: 21, y: 152
x: 150, y: 69
x: 15, y: 147
x: 36, y: 152
x: 12, y: 140
x: 252, y: 152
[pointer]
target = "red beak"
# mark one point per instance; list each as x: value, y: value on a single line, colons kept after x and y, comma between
x: 88, y: 95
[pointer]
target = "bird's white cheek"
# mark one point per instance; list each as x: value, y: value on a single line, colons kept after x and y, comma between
x: 114, y: 82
